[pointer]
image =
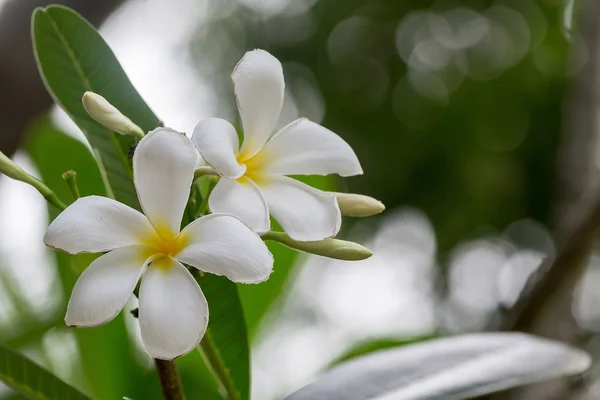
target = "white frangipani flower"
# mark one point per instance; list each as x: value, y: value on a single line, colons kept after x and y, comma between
x: 254, y: 184
x: 173, y: 313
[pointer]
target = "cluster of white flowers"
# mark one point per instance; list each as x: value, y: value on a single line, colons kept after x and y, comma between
x: 253, y: 186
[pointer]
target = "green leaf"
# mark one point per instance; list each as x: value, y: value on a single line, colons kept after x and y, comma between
x: 225, y: 347
x: 258, y: 299
x: 225, y: 344
x: 28, y: 378
x: 108, y: 363
x: 73, y: 58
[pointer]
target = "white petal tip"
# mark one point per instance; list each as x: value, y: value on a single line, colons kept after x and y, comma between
x: 163, y: 357
x: 306, y: 214
x: 358, y: 172
x: 255, y: 281
x: 57, y: 248
x: 217, y: 142
x: 258, y: 56
x: 168, y: 356
x: 74, y: 324
x: 49, y: 242
x: 263, y: 278
x: 304, y: 147
x: 354, y: 172
x: 259, y: 86
x: 171, y: 354
x: 46, y: 240
x: 70, y: 323
x: 173, y: 312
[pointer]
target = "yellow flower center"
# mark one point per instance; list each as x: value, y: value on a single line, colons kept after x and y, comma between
x: 255, y: 165
x: 163, y: 244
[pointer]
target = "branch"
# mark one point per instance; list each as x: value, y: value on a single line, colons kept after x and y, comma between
x: 545, y: 308
x: 558, y: 273
x: 170, y: 381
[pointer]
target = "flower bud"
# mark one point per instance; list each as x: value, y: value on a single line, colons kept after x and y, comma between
x: 358, y: 205
x: 332, y: 248
x: 107, y: 115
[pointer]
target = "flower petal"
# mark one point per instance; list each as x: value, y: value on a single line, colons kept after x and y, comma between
x: 259, y: 86
x: 305, y: 213
x: 217, y: 142
x: 222, y: 245
x: 173, y: 312
x: 105, y: 286
x: 163, y: 169
x: 95, y: 224
x: 307, y: 148
x: 243, y: 199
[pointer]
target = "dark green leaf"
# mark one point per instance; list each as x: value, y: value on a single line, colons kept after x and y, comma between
x: 225, y: 345
x: 73, y: 58
x: 107, y: 354
x: 257, y: 299
x: 28, y: 378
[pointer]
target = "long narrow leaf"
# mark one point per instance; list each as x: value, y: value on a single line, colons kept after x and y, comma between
x: 225, y: 345
x: 448, y: 369
x: 31, y: 380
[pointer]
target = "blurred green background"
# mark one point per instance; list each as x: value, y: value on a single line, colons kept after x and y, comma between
x: 456, y: 111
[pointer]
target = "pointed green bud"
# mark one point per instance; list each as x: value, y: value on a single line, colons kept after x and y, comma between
x: 332, y: 248
x: 358, y: 205
x: 70, y: 177
x: 12, y: 170
x: 107, y: 115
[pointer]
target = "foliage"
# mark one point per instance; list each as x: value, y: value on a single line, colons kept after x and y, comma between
x: 440, y: 149
x: 448, y: 369
x: 36, y: 383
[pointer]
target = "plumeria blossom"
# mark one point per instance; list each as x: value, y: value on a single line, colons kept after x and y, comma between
x: 254, y: 184
x: 173, y: 313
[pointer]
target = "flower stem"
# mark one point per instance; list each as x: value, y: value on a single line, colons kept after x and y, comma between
x: 203, y: 208
x: 10, y: 169
x: 170, y: 381
x: 203, y: 171
x: 51, y: 198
